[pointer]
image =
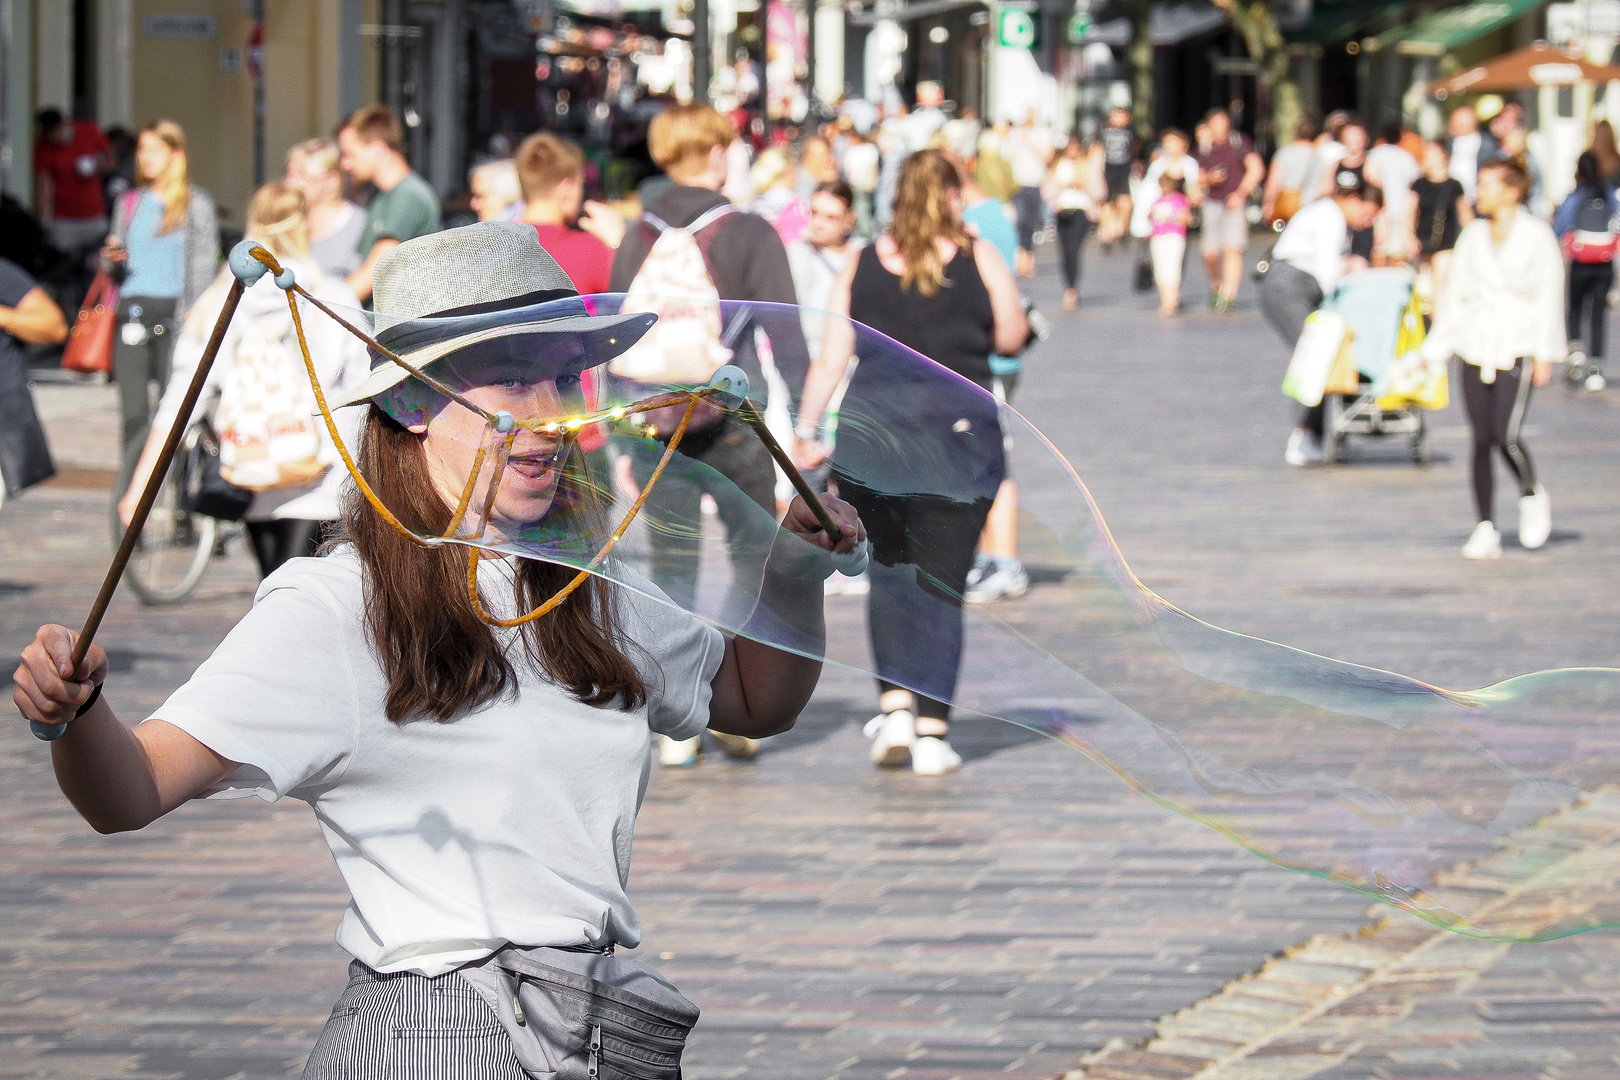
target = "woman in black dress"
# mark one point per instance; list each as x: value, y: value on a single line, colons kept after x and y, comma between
x: 1439, y: 211
x: 932, y: 287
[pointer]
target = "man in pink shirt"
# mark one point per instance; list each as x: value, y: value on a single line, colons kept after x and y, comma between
x: 551, y: 171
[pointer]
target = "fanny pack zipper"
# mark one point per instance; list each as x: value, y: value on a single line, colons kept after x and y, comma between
x: 674, y: 1043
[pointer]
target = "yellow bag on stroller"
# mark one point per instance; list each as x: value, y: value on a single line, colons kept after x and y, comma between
x: 1412, y: 380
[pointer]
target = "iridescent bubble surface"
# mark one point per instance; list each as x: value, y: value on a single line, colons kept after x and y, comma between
x: 1362, y: 776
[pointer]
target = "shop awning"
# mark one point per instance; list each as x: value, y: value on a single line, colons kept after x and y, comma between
x: 924, y: 9
x: 1526, y: 69
x: 1333, y: 21
x: 1168, y: 24
x: 1444, y: 31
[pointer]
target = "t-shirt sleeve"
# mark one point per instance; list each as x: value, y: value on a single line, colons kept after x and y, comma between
x: 14, y: 283
x: 278, y: 696
x: 679, y: 657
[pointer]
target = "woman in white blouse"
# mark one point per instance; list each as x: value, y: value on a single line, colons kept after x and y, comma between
x: 1502, y: 314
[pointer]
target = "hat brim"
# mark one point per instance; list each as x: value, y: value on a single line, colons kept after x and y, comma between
x: 421, y: 342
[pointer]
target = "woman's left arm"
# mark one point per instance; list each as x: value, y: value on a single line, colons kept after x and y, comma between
x: 761, y: 689
x: 1011, y: 327
x: 1552, y: 341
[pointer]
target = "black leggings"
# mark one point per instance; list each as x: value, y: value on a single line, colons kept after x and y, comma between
x: 1072, y: 226
x: 276, y: 541
x: 1589, y: 285
x: 1496, y: 412
x: 922, y: 551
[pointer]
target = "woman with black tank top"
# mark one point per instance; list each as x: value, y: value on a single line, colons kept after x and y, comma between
x: 931, y: 287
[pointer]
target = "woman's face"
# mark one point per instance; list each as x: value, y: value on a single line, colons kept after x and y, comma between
x: 453, y: 436
x: 319, y: 184
x: 153, y: 157
x: 1494, y: 194
x: 1435, y: 163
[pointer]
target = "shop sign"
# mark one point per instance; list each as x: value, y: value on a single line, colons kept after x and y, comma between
x: 1015, y: 29
x: 184, y: 27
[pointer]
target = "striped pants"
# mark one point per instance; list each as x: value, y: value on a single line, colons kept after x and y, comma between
x: 405, y: 1026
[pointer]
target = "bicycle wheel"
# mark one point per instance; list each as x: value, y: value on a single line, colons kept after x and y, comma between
x: 172, y: 554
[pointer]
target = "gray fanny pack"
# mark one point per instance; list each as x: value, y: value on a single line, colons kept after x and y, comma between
x: 585, y: 1015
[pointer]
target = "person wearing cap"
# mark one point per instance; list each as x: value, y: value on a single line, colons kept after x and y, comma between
x: 477, y: 786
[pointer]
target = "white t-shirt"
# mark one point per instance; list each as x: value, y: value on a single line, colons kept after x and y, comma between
x: 1395, y: 169
x: 509, y: 824
x: 1027, y: 150
x: 1314, y: 241
x: 1465, y: 161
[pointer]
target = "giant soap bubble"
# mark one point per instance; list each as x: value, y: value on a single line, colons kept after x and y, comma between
x: 1361, y: 776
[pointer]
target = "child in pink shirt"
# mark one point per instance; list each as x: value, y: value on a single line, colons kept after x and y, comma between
x: 1167, y: 247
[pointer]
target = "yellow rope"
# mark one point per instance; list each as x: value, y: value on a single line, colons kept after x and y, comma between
x: 473, y: 555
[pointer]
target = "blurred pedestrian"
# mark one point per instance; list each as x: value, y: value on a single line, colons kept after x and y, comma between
x: 776, y: 197
x: 405, y: 206
x: 1463, y: 147
x: 820, y: 256
x: 1440, y: 210
x: 28, y: 316
x: 1118, y: 147
x: 70, y: 159
x: 1292, y: 177
x: 1503, y: 316
x: 165, y: 244
x: 1585, y: 223
x: 334, y: 223
x: 1078, y: 197
x: 860, y: 165
x: 1607, y: 153
x: 259, y: 367
x: 933, y: 288
x: 496, y: 195
x: 1228, y: 173
x: 1170, y: 214
x: 1028, y: 150
x: 1307, y: 264
x: 745, y: 260
x: 1392, y: 170
x: 580, y: 235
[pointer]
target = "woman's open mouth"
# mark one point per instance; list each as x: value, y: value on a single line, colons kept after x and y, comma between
x: 532, y: 466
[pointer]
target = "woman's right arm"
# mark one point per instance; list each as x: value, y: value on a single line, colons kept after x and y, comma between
x: 118, y: 779
x: 1011, y: 331
x: 826, y: 371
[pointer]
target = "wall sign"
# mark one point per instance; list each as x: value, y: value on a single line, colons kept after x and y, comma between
x: 185, y: 27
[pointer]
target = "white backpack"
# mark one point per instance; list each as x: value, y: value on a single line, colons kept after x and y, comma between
x: 267, y: 419
x: 685, y: 345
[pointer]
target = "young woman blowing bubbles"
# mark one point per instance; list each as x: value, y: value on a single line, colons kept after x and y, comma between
x: 477, y: 786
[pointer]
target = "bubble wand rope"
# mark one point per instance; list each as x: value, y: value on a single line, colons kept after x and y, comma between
x: 137, y: 521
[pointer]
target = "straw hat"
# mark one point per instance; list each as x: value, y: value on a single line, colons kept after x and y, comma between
x: 444, y: 292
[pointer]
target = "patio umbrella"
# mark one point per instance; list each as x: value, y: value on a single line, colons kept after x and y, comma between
x: 1525, y: 69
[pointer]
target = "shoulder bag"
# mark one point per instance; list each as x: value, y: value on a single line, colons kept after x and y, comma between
x: 90, y: 344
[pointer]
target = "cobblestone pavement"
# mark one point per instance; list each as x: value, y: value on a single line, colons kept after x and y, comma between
x: 833, y: 921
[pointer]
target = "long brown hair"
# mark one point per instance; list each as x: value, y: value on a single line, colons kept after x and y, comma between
x: 173, y: 188
x: 440, y: 658
x: 923, y: 215
x: 1604, y: 149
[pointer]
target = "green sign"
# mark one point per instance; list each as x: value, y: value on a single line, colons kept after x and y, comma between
x: 1079, y: 27
x: 1016, y: 29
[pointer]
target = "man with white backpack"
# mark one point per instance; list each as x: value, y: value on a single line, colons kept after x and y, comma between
x: 689, y: 250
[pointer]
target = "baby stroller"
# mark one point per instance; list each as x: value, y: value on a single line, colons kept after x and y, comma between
x: 1394, y: 388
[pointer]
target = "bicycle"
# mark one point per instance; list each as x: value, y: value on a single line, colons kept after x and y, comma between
x: 175, y: 546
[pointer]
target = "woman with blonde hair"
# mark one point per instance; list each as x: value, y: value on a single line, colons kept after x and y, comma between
x: 930, y: 286
x: 335, y: 223
x: 165, y: 246
x: 260, y: 359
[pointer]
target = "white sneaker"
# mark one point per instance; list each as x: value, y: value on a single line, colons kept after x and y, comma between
x: 1303, y: 449
x: 1535, y: 519
x: 1485, y: 543
x: 1595, y: 381
x: 1004, y: 580
x: 892, y: 735
x: 839, y: 585
x: 933, y: 756
x: 677, y: 753
x: 736, y: 746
